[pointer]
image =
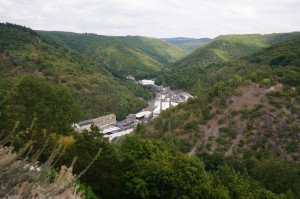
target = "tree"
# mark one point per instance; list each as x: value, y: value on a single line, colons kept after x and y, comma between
x: 152, y: 169
x: 279, y: 176
x: 103, y: 175
x: 52, y: 105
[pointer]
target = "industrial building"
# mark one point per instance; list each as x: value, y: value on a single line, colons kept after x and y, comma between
x: 100, y: 122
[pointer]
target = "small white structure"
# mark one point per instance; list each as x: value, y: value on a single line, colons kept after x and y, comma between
x: 165, y: 105
x: 147, y: 82
x: 130, y: 77
x: 143, y: 114
x: 118, y: 134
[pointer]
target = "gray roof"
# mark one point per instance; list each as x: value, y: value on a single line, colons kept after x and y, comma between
x: 85, y: 122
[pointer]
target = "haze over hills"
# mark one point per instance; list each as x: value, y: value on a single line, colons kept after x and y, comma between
x: 188, y: 44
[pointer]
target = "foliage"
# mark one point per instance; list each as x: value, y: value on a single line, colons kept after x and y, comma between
x: 284, y: 53
x: 103, y: 175
x: 162, y: 51
x: 279, y: 176
x: 34, y: 98
x: 153, y: 169
x: 87, y: 191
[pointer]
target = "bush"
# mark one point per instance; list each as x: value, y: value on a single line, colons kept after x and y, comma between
x: 292, y: 146
x: 229, y: 131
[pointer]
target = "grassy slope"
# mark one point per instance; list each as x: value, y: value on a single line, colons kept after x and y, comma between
x: 237, y: 113
x: 97, y: 91
x: 162, y: 51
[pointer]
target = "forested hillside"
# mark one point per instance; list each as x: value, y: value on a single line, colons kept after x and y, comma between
x: 122, y: 56
x: 162, y: 51
x: 98, y: 92
x: 191, y: 71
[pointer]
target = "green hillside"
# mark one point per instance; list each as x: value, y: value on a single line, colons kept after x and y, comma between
x: 281, y: 54
x: 187, y: 44
x: 230, y: 47
x: 122, y: 56
x: 159, y: 50
x: 192, y: 70
x: 246, y: 109
x: 23, y: 52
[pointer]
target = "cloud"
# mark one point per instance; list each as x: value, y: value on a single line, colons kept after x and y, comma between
x: 155, y: 18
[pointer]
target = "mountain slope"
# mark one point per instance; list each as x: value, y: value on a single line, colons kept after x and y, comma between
x: 122, y: 56
x: 213, y: 55
x: 22, y: 51
x: 249, y: 110
x: 281, y: 54
x: 162, y: 51
x: 187, y: 44
x: 231, y: 47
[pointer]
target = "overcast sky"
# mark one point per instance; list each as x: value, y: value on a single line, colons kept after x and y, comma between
x: 155, y: 18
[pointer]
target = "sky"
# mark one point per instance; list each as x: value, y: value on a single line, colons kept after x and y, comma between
x: 155, y: 18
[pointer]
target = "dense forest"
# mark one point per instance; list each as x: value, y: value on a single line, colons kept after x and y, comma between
x: 238, y: 138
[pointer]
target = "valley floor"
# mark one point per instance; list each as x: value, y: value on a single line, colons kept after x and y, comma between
x: 165, y: 98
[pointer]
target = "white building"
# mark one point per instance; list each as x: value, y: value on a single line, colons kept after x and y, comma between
x: 146, y: 82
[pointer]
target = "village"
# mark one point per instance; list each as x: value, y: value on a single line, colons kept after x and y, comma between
x: 112, y: 129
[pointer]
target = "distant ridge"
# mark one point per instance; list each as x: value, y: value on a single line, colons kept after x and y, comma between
x: 186, y: 43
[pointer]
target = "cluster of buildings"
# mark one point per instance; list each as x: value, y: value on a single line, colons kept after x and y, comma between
x: 111, y: 129
x: 109, y: 126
